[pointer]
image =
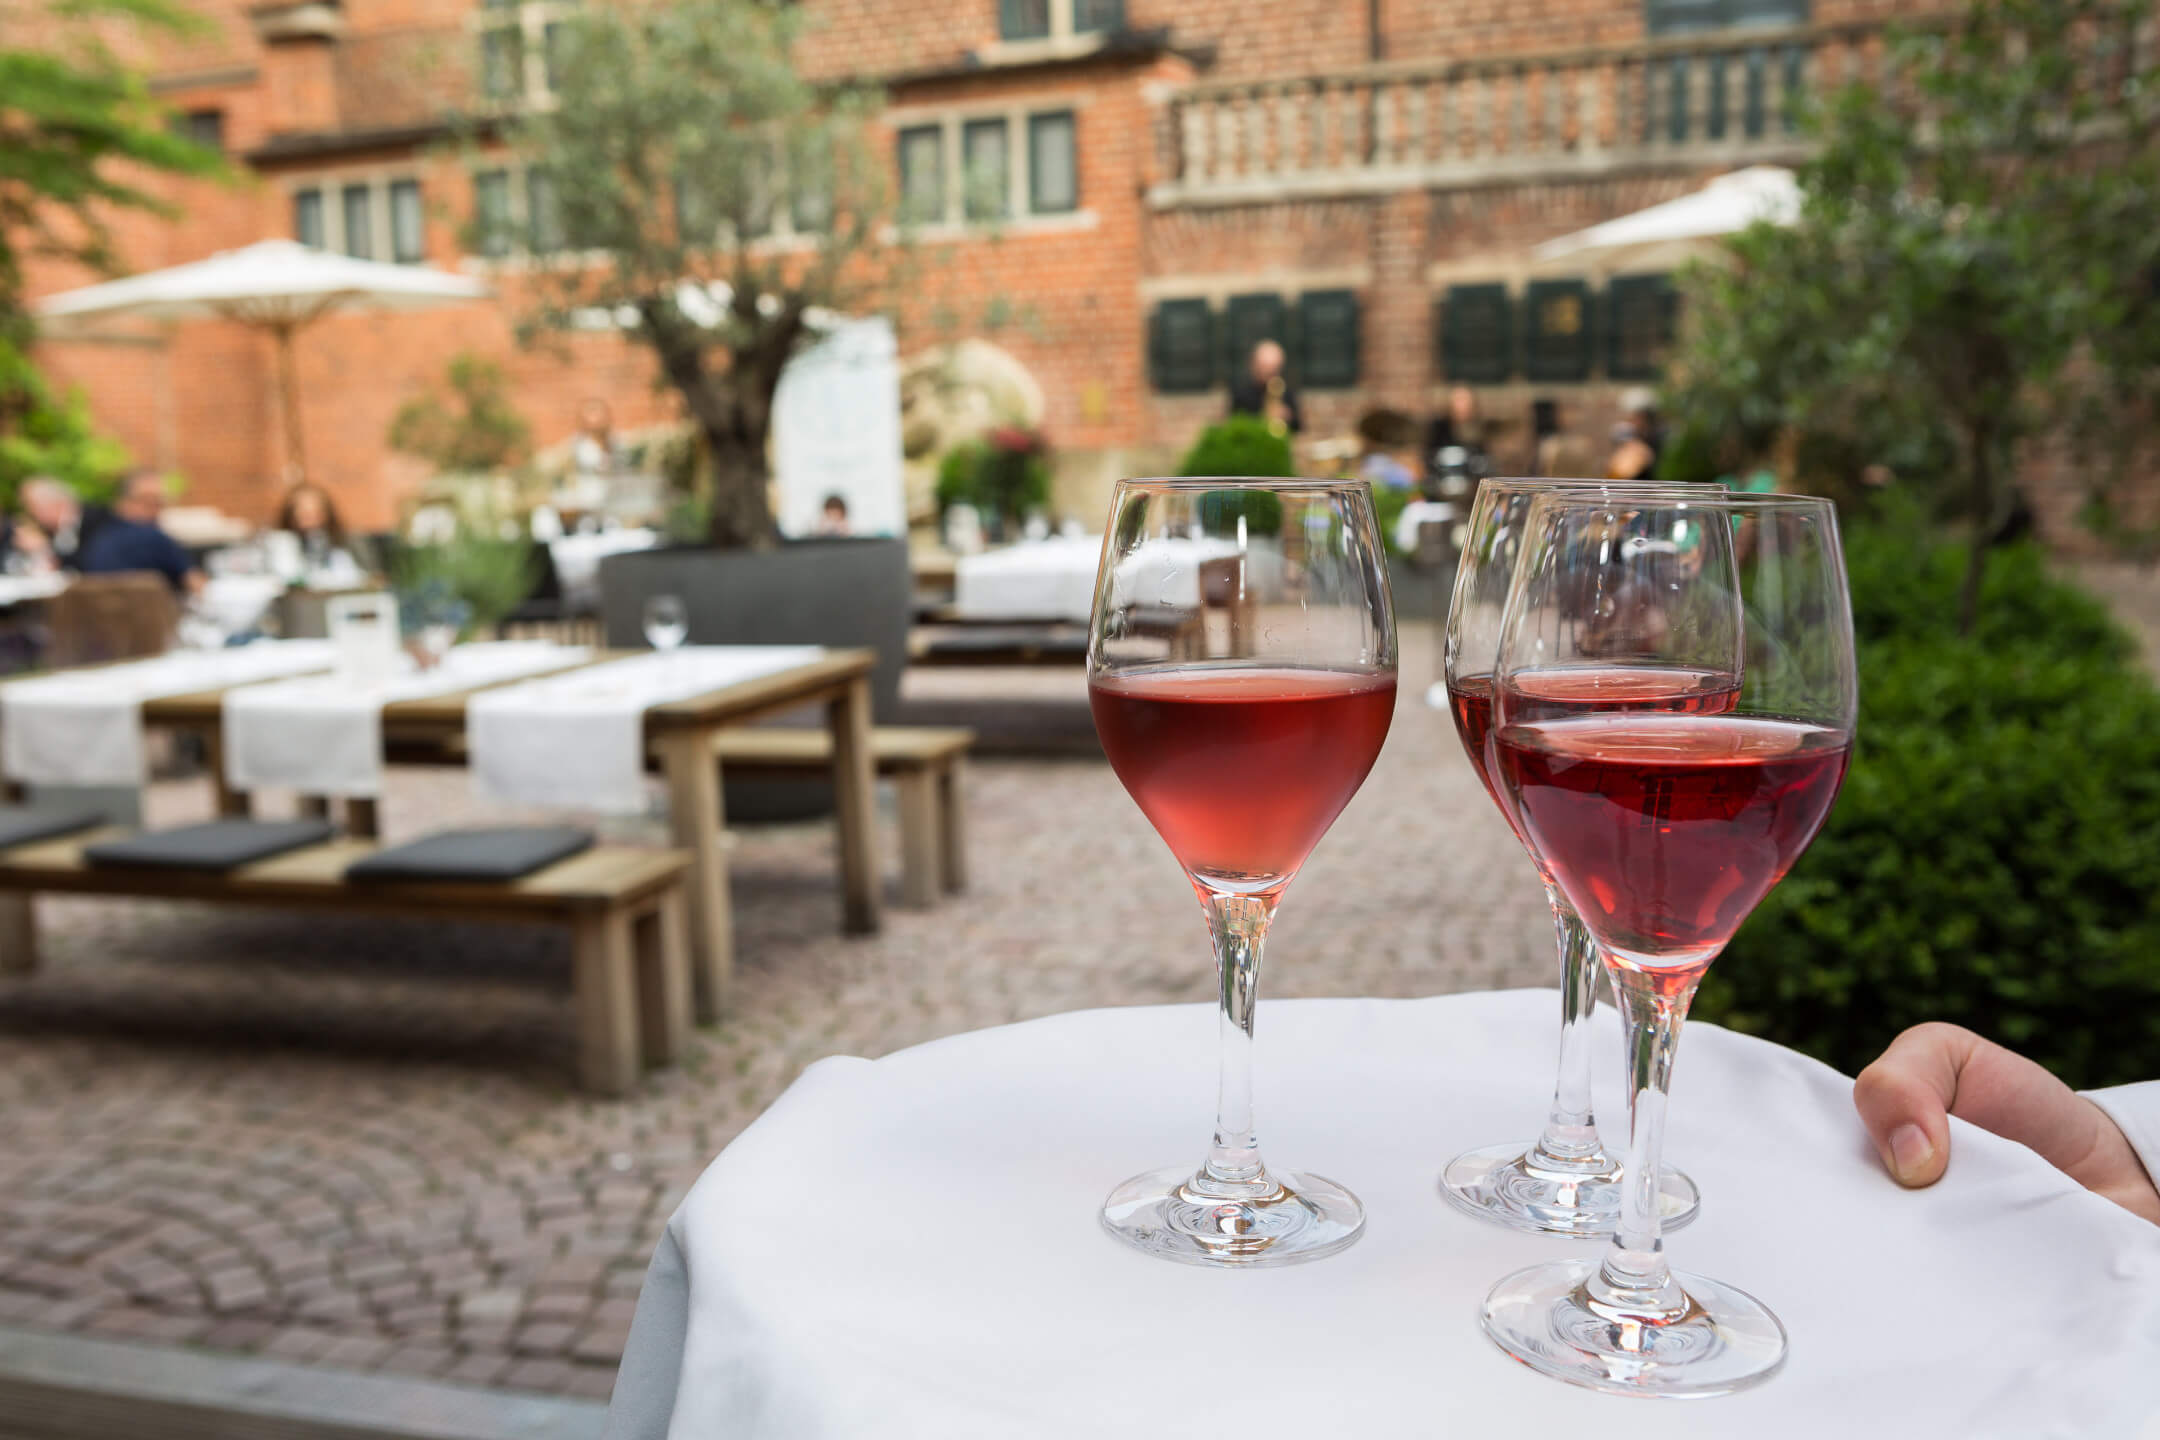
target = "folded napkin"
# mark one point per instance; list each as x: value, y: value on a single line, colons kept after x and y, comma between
x: 322, y: 735
x: 577, y: 741
x: 84, y: 727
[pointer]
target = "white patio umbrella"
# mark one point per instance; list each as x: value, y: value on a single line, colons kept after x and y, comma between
x: 1681, y: 228
x: 278, y: 286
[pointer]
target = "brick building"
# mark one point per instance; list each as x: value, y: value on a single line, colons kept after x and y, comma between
x: 1167, y: 180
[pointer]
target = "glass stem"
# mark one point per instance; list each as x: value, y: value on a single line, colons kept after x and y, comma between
x: 1239, y: 924
x: 1635, y: 1284
x: 1570, y: 1138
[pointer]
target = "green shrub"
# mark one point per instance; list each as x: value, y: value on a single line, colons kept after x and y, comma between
x: 472, y: 581
x: 1006, y: 474
x: 1994, y: 859
x: 1240, y: 447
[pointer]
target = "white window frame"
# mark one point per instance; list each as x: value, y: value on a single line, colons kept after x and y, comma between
x: 378, y: 180
x: 1061, y: 43
x: 1019, y: 216
x: 530, y: 18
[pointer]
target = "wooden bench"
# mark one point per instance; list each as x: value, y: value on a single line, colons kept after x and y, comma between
x: 926, y: 765
x: 625, y: 910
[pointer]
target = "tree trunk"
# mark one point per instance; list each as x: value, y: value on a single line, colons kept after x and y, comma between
x: 1983, y: 522
x: 741, y: 514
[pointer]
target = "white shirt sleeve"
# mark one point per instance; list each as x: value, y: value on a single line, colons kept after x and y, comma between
x: 2135, y: 1109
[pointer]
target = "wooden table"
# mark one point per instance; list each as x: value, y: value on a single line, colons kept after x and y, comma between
x: 682, y: 738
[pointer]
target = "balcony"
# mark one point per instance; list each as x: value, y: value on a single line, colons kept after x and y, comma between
x: 1720, y: 98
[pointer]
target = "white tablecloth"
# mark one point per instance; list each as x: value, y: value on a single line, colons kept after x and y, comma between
x: 323, y: 735
x: 909, y: 1247
x: 1034, y: 580
x: 84, y: 727
x: 577, y: 741
x: 19, y: 589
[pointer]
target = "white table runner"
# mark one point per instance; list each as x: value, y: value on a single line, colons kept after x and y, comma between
x: 577, y: 741
x: 1034, y: 580
x: 909, y: 1247
x: 84, y: 727
x: 323, y: 735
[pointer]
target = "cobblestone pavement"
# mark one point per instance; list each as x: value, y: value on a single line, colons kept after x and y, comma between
x: 351, y: 1143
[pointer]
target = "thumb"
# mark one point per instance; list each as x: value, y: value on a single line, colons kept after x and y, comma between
x: 1904, y: 1100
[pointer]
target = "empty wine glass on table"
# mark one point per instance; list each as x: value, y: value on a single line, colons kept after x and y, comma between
x: 1241, y: 671
x: 1665, y: 829
x: 1564, y: 1182
x: 667, y: 623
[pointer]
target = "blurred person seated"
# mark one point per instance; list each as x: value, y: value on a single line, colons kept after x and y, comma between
x: 2107, y: 1141
x: 315, y: 539
x: 1264, y: 390
x: 62, y: 519
x: 1387, y: 449
x: 132, y: 540
x: 1638, y: 440
x: 833, y: 518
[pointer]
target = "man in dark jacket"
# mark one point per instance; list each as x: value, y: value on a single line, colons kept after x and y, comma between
x: 132, y: 539
x: 1265, y: 391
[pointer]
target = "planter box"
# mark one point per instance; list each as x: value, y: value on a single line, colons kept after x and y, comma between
x: 837, y: 592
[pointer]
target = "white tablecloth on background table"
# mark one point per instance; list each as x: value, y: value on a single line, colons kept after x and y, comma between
x: 84, y: 727
x: 577, y: 558
x: 323, y: 735
x: 577, y: 741
x: 1034, y: 580
x: 20, y: 589
x: 909, y: 1247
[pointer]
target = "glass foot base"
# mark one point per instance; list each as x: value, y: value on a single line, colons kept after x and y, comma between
x: 1501, y: 1184
x: 1726, y: 1341
x: 1289, y: 1219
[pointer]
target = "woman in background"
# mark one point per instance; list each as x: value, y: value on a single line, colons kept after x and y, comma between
x: 311, y: 518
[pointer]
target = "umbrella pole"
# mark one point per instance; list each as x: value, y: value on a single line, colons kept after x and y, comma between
x: 289, y: 384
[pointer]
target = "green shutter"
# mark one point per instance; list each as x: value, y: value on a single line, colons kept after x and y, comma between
x: 1327, y: 331
x: 1248, y: 320
x: 1557, y: 330
x: 1641, y: 317
x: 1181, y: 347
x: 1477, y: 334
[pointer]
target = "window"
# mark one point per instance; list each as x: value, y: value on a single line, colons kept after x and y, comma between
x: 1640, y: 315
x: 408, y: 231
x: 521, y: 49
x: 543, y: 214
x: 1181, y: 346
x: 1058, y: 19
x: 1556, y: 330
x: 358, y: 202
x: 922, y: 174
x: 1248, y: 320
x: 204, y: 127
x: 1053, y: 164
x: 1023, y: 19
x: 491, y: 211
x: 1327, y: 331
x: 1673, y: 17
x: 307, y: 217
x: 1477, y: 339
x: 986, y: 169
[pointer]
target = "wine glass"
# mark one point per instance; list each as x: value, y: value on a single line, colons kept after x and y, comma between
x: 1241, y: 671
x: 1665, y: 829
x: 667, y: 623
x: 1564, y: 1182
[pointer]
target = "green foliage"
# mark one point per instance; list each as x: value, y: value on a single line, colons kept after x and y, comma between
x: 1388, y: 504
x: 471, y: 581
x: 477, y: 432
x: 1241, y: 446
x: 680, y: 131
x: 1971, y: 264
x: 1006, y: 474
x: 53, y: 435
x: 1994, y: 858
x: 79, y: 134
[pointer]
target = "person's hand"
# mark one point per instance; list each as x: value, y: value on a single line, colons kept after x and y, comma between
x: 1934, y: 1071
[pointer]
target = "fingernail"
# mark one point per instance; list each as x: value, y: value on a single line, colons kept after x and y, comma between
x: 1910, y: 1152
